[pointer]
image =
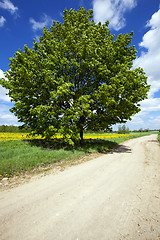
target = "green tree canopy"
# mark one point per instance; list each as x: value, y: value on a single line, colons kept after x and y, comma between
x: 78, y: 76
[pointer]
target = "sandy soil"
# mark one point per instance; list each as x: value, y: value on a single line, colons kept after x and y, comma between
x: 113, y: 197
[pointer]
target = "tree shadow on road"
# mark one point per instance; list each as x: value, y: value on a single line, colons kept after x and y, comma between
x: 121, y: 149
x: 153, y: 141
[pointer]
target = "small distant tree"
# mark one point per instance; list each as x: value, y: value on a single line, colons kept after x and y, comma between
x: 146, y: 130
x: 3, y: 128
x: 77, y: 77
x: 123, y: 129
x: 127, y: 130
x: 141, y: 130
x: 120, y: 129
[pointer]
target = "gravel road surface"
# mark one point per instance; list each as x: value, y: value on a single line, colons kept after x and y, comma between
x: 113, y: 197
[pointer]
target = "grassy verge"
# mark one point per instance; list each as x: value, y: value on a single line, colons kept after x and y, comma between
x: 18, y: 157
x: 159, y: 137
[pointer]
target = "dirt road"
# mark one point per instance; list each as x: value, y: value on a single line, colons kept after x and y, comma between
x: 113, y: 197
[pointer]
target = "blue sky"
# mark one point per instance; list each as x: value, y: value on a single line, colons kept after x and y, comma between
x: 21, y: 21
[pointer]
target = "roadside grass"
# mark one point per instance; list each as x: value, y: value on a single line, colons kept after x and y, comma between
x: 21, y: 156
x: 159, y: 137
x: 18, y: 157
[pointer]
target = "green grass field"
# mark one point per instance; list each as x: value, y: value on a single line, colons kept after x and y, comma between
x: 20, y: 156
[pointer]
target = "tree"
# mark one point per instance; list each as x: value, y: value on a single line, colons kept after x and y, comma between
x: 120, y: 129
x: 127, y: 130
x: 77, y: 77
x: 141, y: 130
x: 123, y: 129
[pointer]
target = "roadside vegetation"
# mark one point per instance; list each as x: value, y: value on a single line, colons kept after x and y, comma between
x: 20, y: 153
x: 159, y: 136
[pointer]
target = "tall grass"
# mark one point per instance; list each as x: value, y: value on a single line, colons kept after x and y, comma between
x: 20, y: 156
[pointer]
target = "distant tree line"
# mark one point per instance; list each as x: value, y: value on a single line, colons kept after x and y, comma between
x: 121, y: 129
x: 125, y: 130
x: 13, y: 129
x: 142, y: 130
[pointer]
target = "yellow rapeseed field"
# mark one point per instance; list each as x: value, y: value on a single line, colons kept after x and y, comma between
x: 23, y: 136
x: 106, y: 136
x: 12, y: 136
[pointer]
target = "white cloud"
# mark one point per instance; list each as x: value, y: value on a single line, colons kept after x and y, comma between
x: 150, y: 60
x: 3, y: 95
x: 155, y: 122
x: 155, y: 20
x: 8, y: 119
x: 137, y: 120
x: 8, y: 5
x: 2, y: 21
x: 3, y: 91
x: 45, y: 21
x: 146, y: 118
x: 112, y: 10
x: 150, y: 105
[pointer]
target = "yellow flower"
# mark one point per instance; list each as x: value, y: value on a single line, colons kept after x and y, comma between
x: 20, y: 136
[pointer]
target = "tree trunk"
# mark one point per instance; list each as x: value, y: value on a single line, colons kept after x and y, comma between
x: 82, y: 120
x: 81, y: 135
